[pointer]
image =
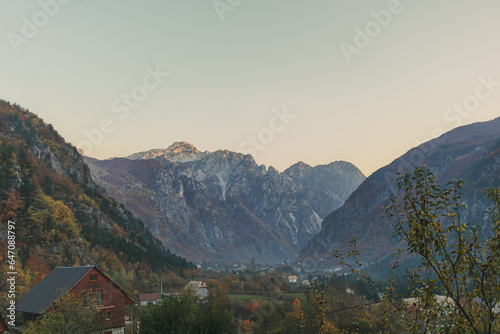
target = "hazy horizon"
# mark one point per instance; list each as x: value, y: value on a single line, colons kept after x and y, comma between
x: 286, y: 81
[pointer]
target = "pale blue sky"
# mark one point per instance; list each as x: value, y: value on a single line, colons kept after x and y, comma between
x: 227, y: 76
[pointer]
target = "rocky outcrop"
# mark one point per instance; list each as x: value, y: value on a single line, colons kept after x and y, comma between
x: 222, y: 205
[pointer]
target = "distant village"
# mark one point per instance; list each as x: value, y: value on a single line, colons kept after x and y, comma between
x: 116, y: 304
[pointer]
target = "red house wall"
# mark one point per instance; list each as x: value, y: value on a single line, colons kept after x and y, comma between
x: 3, y: 326
x: 112, y: 296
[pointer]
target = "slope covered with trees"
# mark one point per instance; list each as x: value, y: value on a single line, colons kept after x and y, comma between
x: 470, y: 153
x: 62, y: 218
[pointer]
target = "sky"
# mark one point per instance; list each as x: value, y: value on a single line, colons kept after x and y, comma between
x: 283, y: 80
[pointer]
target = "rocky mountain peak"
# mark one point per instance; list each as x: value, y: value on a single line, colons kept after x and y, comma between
x: 222, y: 204
x: 181, y: 148
x: 180, y: 151
x: 297, y: 170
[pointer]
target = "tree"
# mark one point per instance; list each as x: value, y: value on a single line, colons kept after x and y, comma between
x: 452, y: 258
x: 171, y: 315
x: 68, y: 315
x: 214, y: 316
x: 182, y: 315
x: 295, y: 321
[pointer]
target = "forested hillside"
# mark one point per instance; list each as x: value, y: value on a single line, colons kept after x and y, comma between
x: 470, y: 153
x: 62, y: 218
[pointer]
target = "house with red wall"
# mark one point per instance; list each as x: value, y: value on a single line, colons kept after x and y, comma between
x: 87, y: 281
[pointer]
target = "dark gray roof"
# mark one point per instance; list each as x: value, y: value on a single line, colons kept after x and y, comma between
x: 56, y: 283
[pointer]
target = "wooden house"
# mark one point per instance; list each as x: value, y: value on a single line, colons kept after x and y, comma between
x: 87, y: 281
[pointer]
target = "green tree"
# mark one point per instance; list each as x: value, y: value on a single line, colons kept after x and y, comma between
x: 453, y: 259
x: 68, y: 315
x: 183, y: 314
x: 171, y: 315
x: 214, y: 316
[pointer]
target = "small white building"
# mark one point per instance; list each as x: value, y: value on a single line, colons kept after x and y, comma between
x: 199, y: 288
x: 146, y: 299
x: 292, y: 279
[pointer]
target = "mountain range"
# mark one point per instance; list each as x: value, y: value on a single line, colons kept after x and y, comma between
x: 222, y: 205
x: 470, y: 153
x: 213, y: 206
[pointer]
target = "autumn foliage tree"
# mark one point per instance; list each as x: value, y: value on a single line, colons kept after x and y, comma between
x: 62, y: 218
x: 69, y: 314
x: 453, y: 258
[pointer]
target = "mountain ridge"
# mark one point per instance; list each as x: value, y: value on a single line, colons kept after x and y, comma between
x: 231, y: 191
x: 452, y: 155
x: 62, y: 217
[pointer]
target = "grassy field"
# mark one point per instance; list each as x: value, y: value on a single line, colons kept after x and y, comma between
x: 244, y: 298
x: 299, y: 295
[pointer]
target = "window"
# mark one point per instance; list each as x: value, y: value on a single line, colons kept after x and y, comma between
x: 107, y: 315
x: 93, y: 277
x: 98, y: 297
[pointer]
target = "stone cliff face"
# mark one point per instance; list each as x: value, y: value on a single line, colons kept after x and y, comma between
x: 470, y: 153
x: 328, y: 186
x: 222, y: 205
